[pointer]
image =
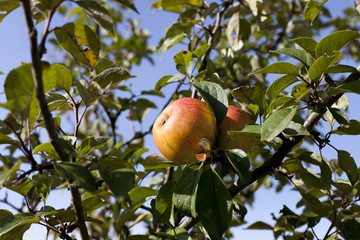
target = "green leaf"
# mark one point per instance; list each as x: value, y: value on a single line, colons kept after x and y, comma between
x: 156, y: 160
x: 279, y: 68
x: 139, y: 193
x: 19, y: 82
x: 341, y: 69
x: 320, y: 66
x: 164, y: 203
x: 335, y: 42
x: 76, y: 173
x: 183, y: 61
x: 112, y: 76
x: 250, y: 130
x: 279, y: 85
x: 238, y: 29
x: 100, y: 15
x: 4, y: 175
x: 349, y: 229
x: 250, y: 96
x: 353, y: 87
x: 169, y: 42
x: 90, y: 144
x: 352, y: 129
x: 357, y: 5
x: 63, y: 76
x: 213, y: 204
x: 260, y: 225
x: 186, y: 189
x: 177, y: 233
x: 312, y: 9
x: 315, y: 204
x: 23, y: 188
x: 5, y: 139
x: 12, y: 227
x: 94, y: 202
x: 300, y: 90
x: 6, y: 7
x: 120, y: 181
x: 343, y: 185
x: 128, y: 3
x: 167, y: 80
x: 340, y: 116
x: 300, y: 55
x: 347, y: 163
x: 276, y: 123
x: 241, y: 163
x: 215, y: 97
x: 311, y: 157
x: 89, y: 91
x: 80, y: 41
x: 126, y: 214
x: 46, y: 150
x: 199, y: 52
x: 296, y: 129
x: 308, y: 44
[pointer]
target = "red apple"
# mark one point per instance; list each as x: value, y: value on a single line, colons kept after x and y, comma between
x: 235, y: 119
x: 182, y: 127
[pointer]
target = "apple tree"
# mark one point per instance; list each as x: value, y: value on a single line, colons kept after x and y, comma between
x: 281, y: 61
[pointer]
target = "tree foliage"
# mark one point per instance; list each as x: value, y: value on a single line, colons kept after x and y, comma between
x: 232, y: 49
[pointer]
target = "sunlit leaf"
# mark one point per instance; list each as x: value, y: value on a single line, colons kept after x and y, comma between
x: 94, y: 202
x: 238, y: 29
x: 80, y: 41
x: 111, y: 76
x: 250, y: 96
x: 139, y: 193
x: 300, y: 55
x: 98, y: 13
x: 156, y: 160
x: 308, y: 44
x: 165, y: 80
x: 276, y: 123
x: 250, y: 130
x: 46, y: 150
x: 12, y: 226
x: 6, y: 7
x: 279, y: 68
x: 335, y: 42
x: 90, y: 144
x: 312, y: 9
x: 322, y: 64
x: 279, y: 85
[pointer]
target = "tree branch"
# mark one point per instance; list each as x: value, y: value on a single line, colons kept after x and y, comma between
x: 38, y: 82
x: 48, y: 119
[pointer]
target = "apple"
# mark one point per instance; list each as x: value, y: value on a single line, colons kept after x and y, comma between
x: 182, y: 130
x: 235, y: 119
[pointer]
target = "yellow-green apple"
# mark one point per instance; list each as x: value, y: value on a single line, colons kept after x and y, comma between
x: 235, y: 119
x: 182, y: 130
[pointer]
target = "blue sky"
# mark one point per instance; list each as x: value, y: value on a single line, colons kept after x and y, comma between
x: 14, y: 49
